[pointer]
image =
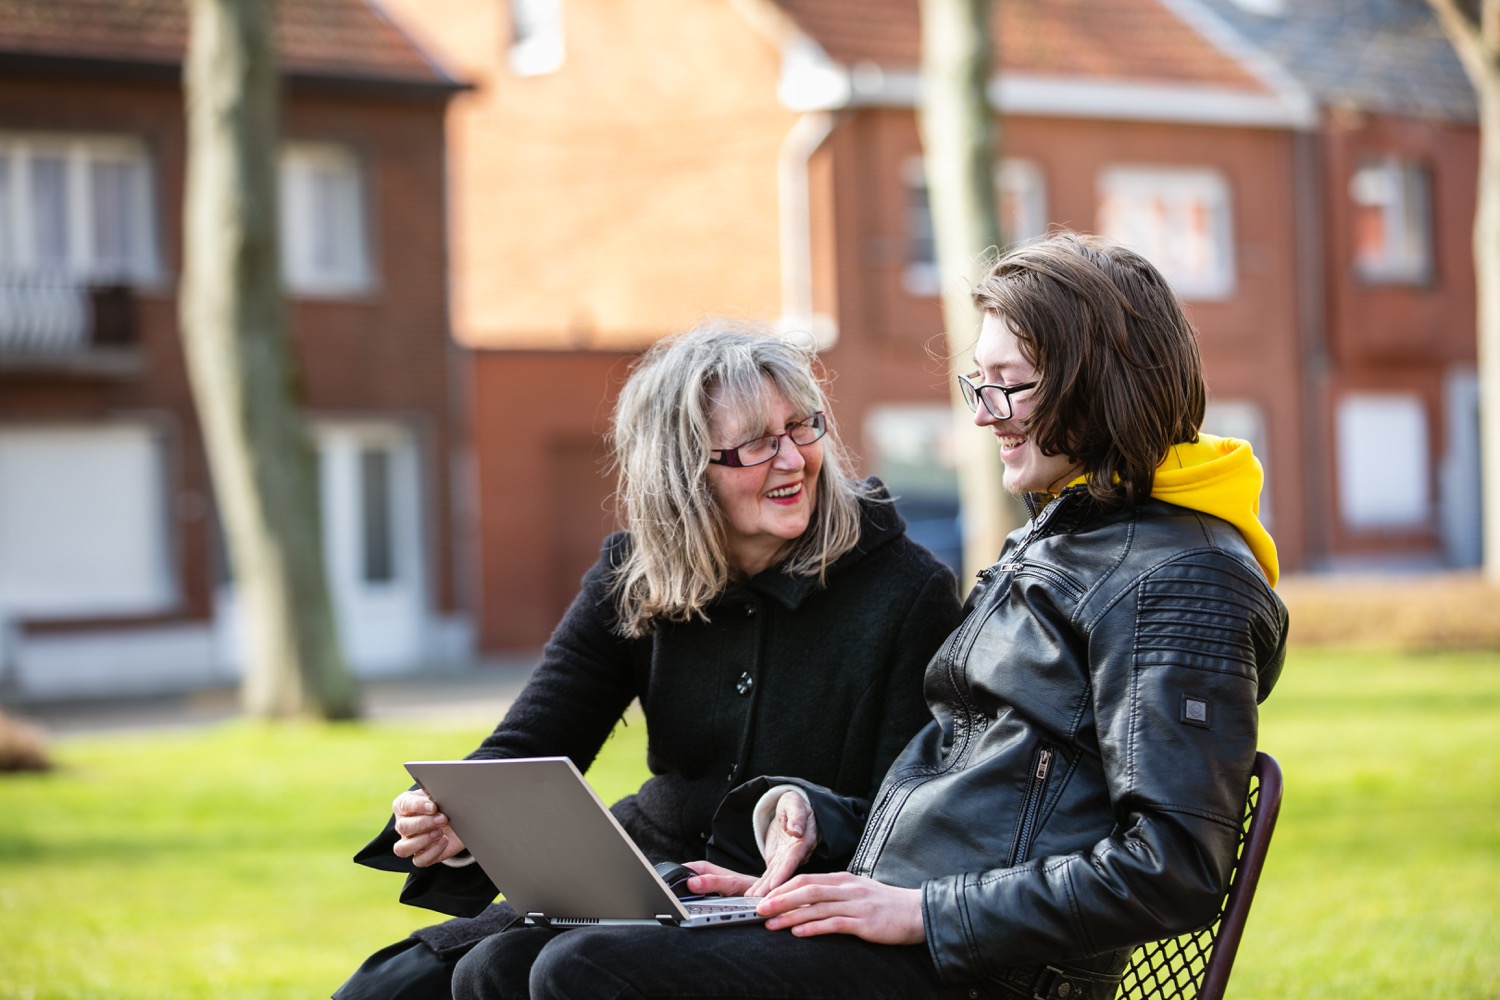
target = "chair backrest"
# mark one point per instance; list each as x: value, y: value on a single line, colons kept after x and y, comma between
x: 1196, y: 966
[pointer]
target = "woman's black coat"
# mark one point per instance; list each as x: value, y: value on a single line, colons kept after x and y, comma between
x: 786, y: 677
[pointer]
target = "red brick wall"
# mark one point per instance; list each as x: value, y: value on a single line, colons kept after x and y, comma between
x: 1394, y: 337
x: 385, y: 354
x: 1249, y: 340
x: 539, y: 425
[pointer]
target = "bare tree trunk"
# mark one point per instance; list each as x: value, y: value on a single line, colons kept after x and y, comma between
x: 1474, y: 28
x: 959, y: 156
x: 233, y: 322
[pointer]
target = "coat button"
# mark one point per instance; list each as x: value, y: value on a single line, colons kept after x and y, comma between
x: 749, y: 611
x: 745, y: 684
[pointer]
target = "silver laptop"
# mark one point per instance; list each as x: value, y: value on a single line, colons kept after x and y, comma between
x: 555, y: 851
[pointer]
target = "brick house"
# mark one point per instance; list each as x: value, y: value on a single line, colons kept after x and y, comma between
x: 112, y: 575
x: 1391, y: 451
x: 621, y: 171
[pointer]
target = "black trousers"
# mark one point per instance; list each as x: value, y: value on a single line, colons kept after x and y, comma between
x: 745, y: 962
x: 406, y: 970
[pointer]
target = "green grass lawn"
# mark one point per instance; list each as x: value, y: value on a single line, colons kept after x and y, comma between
x: 214, y: 862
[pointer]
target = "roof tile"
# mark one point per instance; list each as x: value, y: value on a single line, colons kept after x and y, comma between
x: 348, y: 38
x: 1136, y: 40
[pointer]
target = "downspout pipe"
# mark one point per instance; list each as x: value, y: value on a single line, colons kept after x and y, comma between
x: 794, y: 161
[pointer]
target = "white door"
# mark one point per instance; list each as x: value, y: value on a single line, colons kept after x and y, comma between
x: 368, y: 473
x: 372, y: 541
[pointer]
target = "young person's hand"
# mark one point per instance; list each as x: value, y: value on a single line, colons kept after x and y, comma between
x: 841, y: 903
x: 426, y: 837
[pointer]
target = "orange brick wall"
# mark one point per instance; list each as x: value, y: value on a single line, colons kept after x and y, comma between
x: 631, y: 193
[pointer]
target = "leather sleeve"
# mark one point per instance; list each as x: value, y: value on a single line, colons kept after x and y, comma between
x: 1173, y: 661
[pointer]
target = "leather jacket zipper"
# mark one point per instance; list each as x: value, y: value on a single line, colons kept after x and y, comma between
x: 1035, y: 793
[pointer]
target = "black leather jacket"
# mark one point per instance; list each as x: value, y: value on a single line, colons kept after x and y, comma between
x: 1081, y: 788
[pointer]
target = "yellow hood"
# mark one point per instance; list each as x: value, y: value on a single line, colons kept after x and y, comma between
x: 1222, y: 477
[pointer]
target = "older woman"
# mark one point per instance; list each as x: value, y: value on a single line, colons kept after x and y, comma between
x: 767, y: 610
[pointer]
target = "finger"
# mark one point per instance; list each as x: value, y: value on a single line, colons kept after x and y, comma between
x: 813, y: 926
x: 410, y: 846
x: 793, y: 824
x: 778, y: 870
x: 430, y: 853
x: 413, y: 826
x: 806, y: 890
x: 793, y: 813
x: 413, y: 804
x: 721, y: 885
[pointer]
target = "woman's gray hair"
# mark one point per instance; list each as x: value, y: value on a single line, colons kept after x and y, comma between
x: 660, y: 442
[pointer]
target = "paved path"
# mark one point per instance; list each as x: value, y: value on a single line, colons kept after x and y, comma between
x: 481, y: 692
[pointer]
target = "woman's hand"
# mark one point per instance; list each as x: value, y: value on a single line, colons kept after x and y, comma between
x: 790, y: 840
x: 713, y: 880
x: 841, y: 903
x: 426, y: 837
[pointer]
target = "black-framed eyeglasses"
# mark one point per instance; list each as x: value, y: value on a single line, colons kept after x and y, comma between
x: 763, y: 449
x: 996, y: 397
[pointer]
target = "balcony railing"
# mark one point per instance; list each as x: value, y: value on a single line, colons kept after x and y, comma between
x: 50, y: 316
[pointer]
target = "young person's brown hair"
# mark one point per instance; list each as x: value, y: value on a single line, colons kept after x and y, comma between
x: 1117, y: 360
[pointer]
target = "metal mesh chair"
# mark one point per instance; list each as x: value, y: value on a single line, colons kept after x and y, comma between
x: 1196, y: 966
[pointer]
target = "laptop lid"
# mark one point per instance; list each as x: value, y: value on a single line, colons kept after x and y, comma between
x: 554, y: 849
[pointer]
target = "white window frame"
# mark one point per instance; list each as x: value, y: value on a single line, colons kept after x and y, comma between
x: 1398, y: 193
x: 325, y: 227
x: 81, y: 261
x: 1022, y: 192
x: 536, y: 41
x: 1018, y: 183
x: 1377, y: 492
x: 920, y: 275
x: 1245, y: 419
x: 1151, y: 209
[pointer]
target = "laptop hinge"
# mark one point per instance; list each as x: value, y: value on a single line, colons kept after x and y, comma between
x: 538, y: 920
x: 668, y: 919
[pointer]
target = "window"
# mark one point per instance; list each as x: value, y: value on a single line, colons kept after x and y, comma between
x: 1373, y: 494
x: 324, y: 235
x: 921, y: 274
x: 1179, y: 219
x: 1243, y: 419
x: 77, y: 207
x: 1023, y: 207
x: 914, y: 453
x: 1392, y: 221
x: 377, y: 549
x: 1020, y: 200
x: 536, y: 38
x: 68, y: 547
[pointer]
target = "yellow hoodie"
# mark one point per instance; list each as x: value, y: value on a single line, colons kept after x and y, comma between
x: 1222, y: 477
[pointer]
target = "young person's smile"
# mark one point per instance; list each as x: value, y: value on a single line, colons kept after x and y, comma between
x: 1002, y: 363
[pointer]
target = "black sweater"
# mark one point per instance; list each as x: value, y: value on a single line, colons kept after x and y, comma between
x: 786, y: 677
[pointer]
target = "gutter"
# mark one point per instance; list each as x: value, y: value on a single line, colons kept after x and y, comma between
x: 811, y: 81
x: 168, y: 73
